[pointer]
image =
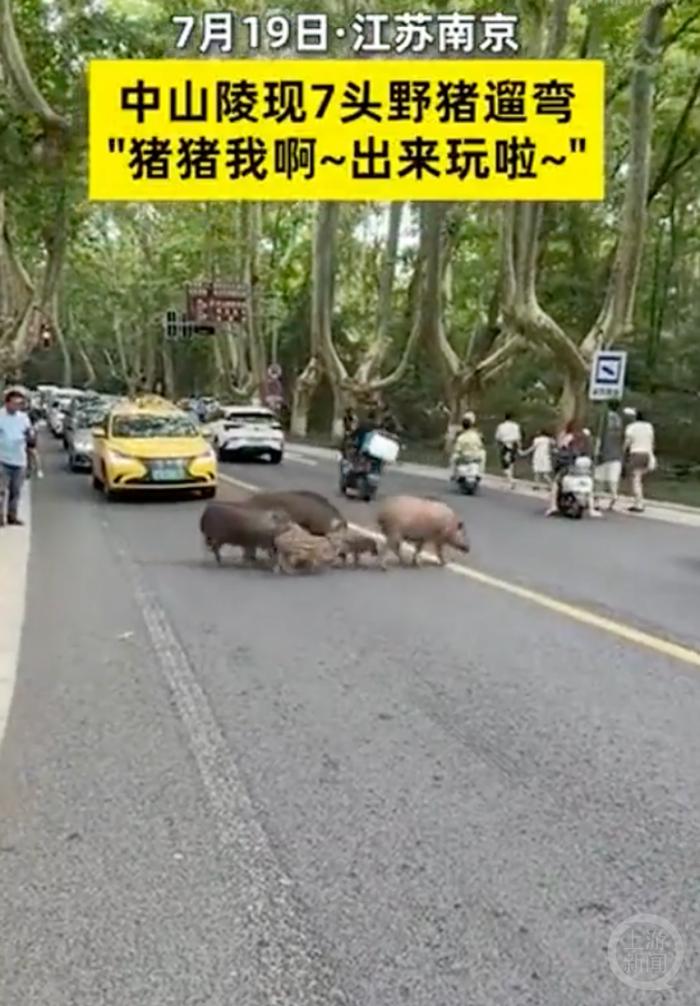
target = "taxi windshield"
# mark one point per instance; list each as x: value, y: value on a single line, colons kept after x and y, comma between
x: 153, y: 426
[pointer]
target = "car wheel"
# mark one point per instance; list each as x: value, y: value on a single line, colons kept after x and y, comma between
x: 275, y: 457
x: 209, y: 493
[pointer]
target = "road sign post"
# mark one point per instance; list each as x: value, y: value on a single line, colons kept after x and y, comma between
x: 607, y: 380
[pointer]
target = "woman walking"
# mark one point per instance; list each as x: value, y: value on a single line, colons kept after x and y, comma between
x: 639, y: 449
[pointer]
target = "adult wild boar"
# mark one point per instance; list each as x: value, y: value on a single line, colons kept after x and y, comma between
x: 418, y: 521
x: 309, y: 510
x: 237, y: 524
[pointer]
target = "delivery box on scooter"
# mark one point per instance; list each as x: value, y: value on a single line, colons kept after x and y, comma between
x: 380, y: 446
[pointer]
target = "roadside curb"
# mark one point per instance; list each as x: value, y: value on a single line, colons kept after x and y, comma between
x: 14, y: 564
x: 669, y: 513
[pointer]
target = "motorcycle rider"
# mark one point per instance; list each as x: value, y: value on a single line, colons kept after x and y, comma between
x: 362, y: 430
x: 572, y: 442
x: 468, y: 444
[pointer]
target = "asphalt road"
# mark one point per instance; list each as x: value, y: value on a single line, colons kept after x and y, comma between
x: 222, y: 787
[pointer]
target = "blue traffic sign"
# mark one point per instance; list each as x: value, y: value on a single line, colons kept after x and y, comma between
x: 607, y: 375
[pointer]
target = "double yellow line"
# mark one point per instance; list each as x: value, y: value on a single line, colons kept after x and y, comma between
x: 657, y: 644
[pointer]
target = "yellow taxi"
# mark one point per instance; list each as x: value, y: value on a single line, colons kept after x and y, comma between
x: 150, y: 444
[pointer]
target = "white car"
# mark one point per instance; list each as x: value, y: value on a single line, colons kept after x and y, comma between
x: 58, y: 407
x: 248, y: 430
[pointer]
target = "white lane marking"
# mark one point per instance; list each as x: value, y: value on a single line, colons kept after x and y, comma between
x: 14, y: 561
x: 275, y: 958
x: 629, y: 633
x: 298, y: 459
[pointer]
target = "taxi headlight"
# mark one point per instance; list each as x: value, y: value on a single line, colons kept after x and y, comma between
x: 114, y: 455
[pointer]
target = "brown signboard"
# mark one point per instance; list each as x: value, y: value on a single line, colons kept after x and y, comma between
x: 217, y: 303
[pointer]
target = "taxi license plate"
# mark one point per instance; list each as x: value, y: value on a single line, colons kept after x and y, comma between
x: 174, y: 472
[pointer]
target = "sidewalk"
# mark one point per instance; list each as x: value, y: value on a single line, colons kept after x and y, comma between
x: 670, y: 513
x: 14, y: 556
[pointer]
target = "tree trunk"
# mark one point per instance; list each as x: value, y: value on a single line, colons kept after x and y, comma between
x: 374, y: 357
x: 149, y: 358
x: 129, y: 376
x: 12, y: 58
x: 90, y: 372
x: 521, y: 310
x: 323, y: 290
x: 304, y: 389
x: 616, y: 315
x: 63, y: 344
x: 168, y: 371
x: 252, y: 226
x: 458, y: 402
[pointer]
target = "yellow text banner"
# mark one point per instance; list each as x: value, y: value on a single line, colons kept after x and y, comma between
x: 279, y: 130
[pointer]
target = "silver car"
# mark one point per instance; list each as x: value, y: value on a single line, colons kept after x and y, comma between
x: 79, y: 436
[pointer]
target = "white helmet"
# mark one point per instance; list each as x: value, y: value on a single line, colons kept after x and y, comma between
x: 469, y: 416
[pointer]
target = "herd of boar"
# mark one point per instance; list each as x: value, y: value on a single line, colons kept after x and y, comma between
x: 302, y: 530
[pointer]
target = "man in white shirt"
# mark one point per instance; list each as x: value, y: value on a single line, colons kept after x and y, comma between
x: 639, y: 447
x: 508, y: 438
x: 15, y: 428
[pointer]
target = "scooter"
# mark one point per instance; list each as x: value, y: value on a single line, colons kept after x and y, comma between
x: 575, y: 489
x: 360, y: 473
x: 467, y: 475
x: 360, y: 476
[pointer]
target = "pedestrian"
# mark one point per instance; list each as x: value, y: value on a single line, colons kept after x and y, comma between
x: 509, y: 439
x: 639, y: 448
x: 33, y: 456
x: 15, y: 429
x: 541, y: 451
x: 610, y: 452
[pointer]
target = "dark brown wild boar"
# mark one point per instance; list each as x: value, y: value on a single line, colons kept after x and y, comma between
x: 237, y: 524
x: 310, y: 510
x: 420, y: 521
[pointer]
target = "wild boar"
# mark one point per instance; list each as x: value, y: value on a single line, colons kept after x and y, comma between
x: 310, y: 510
x: 236, y: 524
x: 418, y: 520
x: 298, y: 549
x: 351, y: 543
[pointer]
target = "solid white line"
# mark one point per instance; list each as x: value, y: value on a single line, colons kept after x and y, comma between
x: 14, y: 561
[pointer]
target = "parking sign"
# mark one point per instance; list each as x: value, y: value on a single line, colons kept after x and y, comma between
x: 607, y: 375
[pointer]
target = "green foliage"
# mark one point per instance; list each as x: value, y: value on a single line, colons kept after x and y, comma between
x: 127, y: 264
